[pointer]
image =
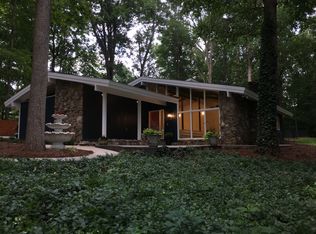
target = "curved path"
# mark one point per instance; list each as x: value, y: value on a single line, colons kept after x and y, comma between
x: 97, y: 152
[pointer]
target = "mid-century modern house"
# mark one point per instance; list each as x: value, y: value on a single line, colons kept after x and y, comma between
x: 187, y: 109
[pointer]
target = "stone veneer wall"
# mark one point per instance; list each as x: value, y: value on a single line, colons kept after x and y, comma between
x: 69, y: 101
x: 238, y: 119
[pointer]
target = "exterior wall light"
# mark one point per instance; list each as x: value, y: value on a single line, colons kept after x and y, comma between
x: 170, y: 116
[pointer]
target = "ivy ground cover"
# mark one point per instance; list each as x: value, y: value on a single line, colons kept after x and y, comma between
x: 202, y: 192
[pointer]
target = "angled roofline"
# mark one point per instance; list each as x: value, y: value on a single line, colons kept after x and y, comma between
x: 97, y: 83
x: 22, y: 92
x: 190, y: 84
x: 205, y: 86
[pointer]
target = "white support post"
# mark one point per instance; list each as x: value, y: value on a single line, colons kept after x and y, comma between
x: 104, y: 114
x: 191, y: 119
x: 178, y: 118
x: 178, y: 121
x: 204, y: 94
x: 19, y: 123
x: 139, y: 120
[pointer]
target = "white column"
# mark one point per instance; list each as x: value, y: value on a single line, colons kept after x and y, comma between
x: 204, y: 117
x: 19, y: 123
x: 139, y: 120
x: 191, y: 117
x: 104, y: 114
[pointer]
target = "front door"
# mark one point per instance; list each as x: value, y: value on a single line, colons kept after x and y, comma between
x: 156, y: 120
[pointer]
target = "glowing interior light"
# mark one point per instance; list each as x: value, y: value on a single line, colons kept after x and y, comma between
x: 202, y: 113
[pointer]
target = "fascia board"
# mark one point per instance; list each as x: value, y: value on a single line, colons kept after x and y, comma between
x: 78, y: 79
x: 118, y: 92
x: 11, y: 100
x: 142, y: 92
x: 194, y: 85
x: 135, y: 82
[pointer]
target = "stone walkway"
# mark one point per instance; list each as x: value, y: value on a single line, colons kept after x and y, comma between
x: 97, y: 152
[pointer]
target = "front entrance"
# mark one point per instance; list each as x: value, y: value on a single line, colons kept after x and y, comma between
x: 156, y: 120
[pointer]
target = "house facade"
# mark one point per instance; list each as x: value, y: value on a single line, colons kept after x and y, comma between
x: 184, y: 109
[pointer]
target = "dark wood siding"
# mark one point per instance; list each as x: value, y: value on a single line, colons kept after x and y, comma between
x: 50, y: 102
x: 121, y: 118
x: 92, y: 114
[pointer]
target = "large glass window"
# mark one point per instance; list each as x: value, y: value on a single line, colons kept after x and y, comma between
x: 212, y: 120
x: 198, y: 124
x: 184, y: 125
x: 197, y: 99
x: 184, y: 102
x: 198, y: 113
x: 211, y: 100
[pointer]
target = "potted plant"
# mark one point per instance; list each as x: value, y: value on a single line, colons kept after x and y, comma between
x: 103, y: 140
x: 212, y: 137
x: 168, y: 138
x: 152, y: 137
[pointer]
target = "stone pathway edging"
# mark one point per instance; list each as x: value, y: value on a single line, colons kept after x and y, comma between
x: 97, y: 152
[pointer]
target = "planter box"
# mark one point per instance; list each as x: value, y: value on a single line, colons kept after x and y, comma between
x: 153, y: 140
x: 213, y: 141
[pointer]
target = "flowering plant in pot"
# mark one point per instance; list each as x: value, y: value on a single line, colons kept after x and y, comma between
x: 152, y: 136
x: 212, y: 137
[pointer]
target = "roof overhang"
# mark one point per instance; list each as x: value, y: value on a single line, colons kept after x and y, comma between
x: 100, y: 85
x: 205, y: 86
x: 190, y: 84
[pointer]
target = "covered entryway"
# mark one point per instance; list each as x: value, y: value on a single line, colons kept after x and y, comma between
x: 156, y: 120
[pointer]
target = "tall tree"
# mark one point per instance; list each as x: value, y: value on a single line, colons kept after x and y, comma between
x: 267, y: 140
x: 151, y: 17
x: 70, y: 50
x: 16, y: 21
x: 175, y: 52
x: 110, y: 21
x: 36, y: 113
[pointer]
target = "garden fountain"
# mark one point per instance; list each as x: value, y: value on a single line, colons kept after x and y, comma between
x: 58, y: 137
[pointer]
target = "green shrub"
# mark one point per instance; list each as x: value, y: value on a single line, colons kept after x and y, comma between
x: 210, y: 133
x: 151, y: 132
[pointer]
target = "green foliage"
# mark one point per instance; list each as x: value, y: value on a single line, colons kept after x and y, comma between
x: 306, y: 140
x: 204, y: 192
x: 174, y: 53
x: 16, y: 21
x: 151, y: 132
x: 210, y: 133
x: 267, y: 140
x: 122, y: 74
x: 110, y: 21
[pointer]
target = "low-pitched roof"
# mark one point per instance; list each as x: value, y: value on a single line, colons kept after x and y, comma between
x: 101, y: 85
x: 205, y: 86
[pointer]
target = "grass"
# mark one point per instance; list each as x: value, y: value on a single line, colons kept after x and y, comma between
x: 306, y: 140
x: 137, y: 193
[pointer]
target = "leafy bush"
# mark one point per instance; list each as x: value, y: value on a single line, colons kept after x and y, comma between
x: 210, y: 133
x: 197, y: 192
x: 151, y: 132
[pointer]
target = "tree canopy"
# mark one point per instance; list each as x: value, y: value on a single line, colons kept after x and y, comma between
x: 210, y: 41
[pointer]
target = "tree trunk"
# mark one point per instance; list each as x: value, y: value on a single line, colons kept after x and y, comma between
x: 249, y: 64
x: 267, y: 140
x: 209, y: 60
x: 36, y: 112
